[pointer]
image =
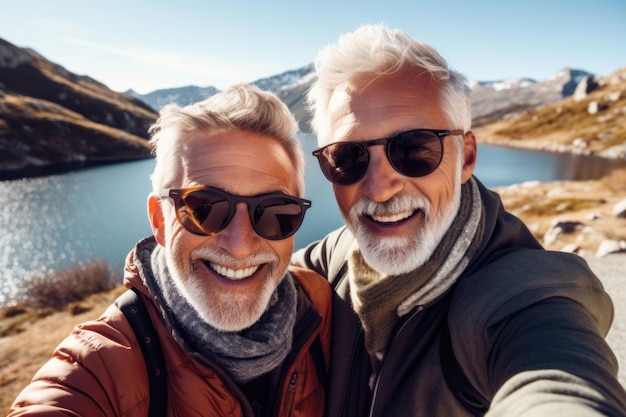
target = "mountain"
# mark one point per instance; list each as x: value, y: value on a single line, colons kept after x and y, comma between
x: 492, y: 100
x: 51, y: 117
x: 589, y: 121
x: 181, y: 96
x: 290, y: 86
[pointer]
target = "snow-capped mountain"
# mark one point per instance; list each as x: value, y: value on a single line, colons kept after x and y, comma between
x: 290, y: 86
x: 505, y: 84
x: 490, y: 99
x: 181, y: 96
x: 494, y: 99
x: 278, y: 82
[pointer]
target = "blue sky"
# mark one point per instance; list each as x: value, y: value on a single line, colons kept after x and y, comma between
x: 149, y: 44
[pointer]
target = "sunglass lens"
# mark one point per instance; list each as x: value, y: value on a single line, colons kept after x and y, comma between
x: 416, y: 153
x: 204, y: 212
x: 343, y: 163
x: 277, y: 217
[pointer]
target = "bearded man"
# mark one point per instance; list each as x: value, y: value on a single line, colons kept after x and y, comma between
x: 463, y: 312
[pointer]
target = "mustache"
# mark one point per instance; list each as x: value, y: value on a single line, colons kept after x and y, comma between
x: 223, y: 258
x: 397, y: 204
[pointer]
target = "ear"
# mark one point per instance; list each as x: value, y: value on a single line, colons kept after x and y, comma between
x: 469, y: 156
x: 157, y: 222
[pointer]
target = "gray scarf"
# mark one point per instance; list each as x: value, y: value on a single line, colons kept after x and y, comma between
x: 246, y: 354
x: 381, y: 300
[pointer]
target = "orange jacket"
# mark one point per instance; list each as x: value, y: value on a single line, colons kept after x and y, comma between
x: 99, y: 370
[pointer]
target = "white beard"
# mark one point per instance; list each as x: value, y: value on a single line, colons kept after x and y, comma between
x: 402, y: 254
x: 223, y: 310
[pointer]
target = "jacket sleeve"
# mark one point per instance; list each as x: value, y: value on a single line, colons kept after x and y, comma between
x: 537, y: 337
x: 96, y: 371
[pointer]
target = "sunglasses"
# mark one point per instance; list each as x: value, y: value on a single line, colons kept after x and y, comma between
x: 205, y: 210
x: 415, y: 153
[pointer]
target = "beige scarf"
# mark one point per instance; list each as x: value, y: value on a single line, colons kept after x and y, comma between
x: 381, y: 300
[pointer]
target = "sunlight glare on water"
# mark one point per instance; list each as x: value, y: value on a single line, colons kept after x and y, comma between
x: 33, y: 228
x: 49, y: 223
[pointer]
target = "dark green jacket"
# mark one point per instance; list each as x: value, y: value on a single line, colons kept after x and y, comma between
x: 526, y: 326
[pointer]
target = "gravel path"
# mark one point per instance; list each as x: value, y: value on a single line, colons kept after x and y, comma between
x: 612, y: 272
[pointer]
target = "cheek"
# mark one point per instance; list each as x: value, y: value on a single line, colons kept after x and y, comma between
x: 345, y: 197
x: 179, y: 242
x: 283, y: 249
x: 439, y: 188
x: 178, y: 255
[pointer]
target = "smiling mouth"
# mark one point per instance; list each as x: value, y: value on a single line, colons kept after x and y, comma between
x: 233, y: 274
x: 392, y: 218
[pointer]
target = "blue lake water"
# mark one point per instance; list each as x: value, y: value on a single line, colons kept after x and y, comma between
x: 52, y: 222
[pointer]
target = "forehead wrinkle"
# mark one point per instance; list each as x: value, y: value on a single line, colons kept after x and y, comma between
x: 233, y: 170
x: 368, y: 109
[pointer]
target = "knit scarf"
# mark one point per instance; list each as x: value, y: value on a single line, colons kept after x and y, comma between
x: 245, y: 354
x: 381, y: 300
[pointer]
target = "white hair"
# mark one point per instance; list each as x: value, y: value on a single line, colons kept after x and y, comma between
x: 374, y: 50
x: 241, y: 107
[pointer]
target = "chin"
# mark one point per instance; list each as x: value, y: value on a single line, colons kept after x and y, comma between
x: 231, y: 312
x: 396, y: 255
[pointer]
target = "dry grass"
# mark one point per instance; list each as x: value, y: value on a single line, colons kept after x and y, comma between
x: 58, y: 288
x: 31, y: 109
x: 51, y: 306
x: 34, y: 336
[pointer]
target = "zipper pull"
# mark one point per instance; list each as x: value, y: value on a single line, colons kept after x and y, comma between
x: 293, y: 380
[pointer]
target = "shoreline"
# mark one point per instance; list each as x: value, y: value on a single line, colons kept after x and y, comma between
x: 58, y: 168
x: 483, y: 137
x: 575, y: 215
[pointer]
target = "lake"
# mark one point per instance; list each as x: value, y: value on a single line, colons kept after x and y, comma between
x: 52, y: 222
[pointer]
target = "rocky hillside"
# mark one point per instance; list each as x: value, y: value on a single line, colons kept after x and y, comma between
x: 50, y: 117
x: 493, y: 99
x: 591, y: 121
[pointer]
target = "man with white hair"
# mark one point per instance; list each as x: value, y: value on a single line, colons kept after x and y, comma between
x: 463, y: 312
x: 241, y: 334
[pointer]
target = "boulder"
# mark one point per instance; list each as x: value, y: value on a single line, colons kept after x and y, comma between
x: 609, y: 246
x: 619, y: 209
x: 561, y: 227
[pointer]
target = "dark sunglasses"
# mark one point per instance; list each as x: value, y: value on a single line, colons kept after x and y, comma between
x: 415, y: 153
x: 206, y: 210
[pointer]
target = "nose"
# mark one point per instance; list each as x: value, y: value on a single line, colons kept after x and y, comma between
x: 239, y: 238
x: 381, y: 181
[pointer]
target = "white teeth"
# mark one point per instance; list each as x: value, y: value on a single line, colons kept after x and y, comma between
x: 234, y: 274
x: 391, y: 218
